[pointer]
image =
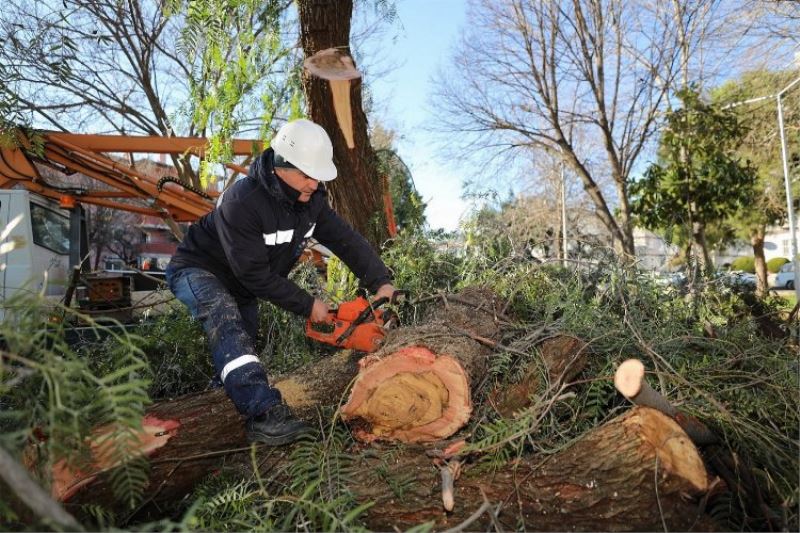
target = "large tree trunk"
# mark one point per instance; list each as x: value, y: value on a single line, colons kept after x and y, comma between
x: 638, y: 472
x: 700, y: 247
x: 356, y: 193
x: 188, y: 437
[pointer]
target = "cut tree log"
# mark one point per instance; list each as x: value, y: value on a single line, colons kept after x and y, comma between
x: 629, y: 380
x: 418, y: 387
x: 637, y: 472
x: 563, y: 357
x: 190, y: 437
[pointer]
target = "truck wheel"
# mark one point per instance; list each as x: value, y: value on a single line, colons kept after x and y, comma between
x: 790, y: 284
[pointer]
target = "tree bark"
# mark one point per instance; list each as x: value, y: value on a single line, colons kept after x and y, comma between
x: 356, y: 194
x: 757, y: 241
x: 638, y: 472
x: 188, y: 437
x: 563, y: 356
x: 700, y: 247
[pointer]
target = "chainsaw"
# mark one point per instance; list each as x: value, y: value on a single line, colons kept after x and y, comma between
x: 357, y: 324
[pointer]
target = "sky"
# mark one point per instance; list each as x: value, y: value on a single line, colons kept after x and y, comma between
x: 426, y: 32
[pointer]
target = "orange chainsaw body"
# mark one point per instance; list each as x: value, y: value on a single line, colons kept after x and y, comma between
x: 355, y: 325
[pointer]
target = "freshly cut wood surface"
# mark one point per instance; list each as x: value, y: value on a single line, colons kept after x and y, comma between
x: 418, y: 387
x: 637, y: 472
x: 411, y: 395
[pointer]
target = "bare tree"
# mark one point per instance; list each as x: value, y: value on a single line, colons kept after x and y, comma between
x: 537, y: 75
x: 584, y: 80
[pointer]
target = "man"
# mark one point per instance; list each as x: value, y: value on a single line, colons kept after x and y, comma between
x: 244, y: 249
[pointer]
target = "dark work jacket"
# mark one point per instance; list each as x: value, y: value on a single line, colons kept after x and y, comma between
x: 257, y: 231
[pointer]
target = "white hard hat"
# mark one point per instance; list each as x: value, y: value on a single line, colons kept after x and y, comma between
x: 307, y: 146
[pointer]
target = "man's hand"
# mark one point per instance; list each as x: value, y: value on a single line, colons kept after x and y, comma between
x: 319, y: 312
x: 387, y: 290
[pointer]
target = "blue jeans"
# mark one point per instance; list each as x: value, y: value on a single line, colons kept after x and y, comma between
x: 231, y: 327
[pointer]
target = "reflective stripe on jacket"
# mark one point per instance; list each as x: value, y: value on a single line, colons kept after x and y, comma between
x: 257, y: 232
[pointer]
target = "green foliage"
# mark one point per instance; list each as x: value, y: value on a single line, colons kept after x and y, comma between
x: 775, y: 264
x: 744, y: 263
x: 761, y: 141
x: 698, y: 180
x: 421, y: 265
x: 409, y: 209
x: 621, y: 314
x: 308, y: 495
x: 233, y: 47
x: 53, y: 396
x: 282, y: 343
x: 176, y: 347
x: 341, y: 284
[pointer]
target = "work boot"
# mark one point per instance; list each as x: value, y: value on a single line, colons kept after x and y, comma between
x: 276, y: 426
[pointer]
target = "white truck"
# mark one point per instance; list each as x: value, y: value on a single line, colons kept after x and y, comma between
x: 39, y: 260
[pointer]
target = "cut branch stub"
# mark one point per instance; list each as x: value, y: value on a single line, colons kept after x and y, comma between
x: 337, y: 67
x: 411, y: 395
x: 629, y: 381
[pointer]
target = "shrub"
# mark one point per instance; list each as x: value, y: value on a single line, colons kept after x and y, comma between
x: 745, y: 264
x: 775, y: 264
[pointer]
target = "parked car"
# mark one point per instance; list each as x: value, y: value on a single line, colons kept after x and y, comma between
x: 785, y: 277
x: 738, y: 278
x: 671, y: 279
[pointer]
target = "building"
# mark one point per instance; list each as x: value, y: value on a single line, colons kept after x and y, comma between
x: 653, y: 253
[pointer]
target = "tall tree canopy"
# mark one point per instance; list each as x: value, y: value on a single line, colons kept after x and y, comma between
x: 698, y: 179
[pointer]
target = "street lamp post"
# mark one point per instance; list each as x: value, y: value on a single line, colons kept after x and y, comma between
x: 786, y: 178
x: 788, y: 183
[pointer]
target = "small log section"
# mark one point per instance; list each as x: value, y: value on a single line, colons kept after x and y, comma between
x: 563, y: 357
x: 418, y: 387
x: 735, y: 471
x: 194, y: 436
x: 637, y: 472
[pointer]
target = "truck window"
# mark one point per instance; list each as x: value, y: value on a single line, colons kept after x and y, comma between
x: 50, y: 229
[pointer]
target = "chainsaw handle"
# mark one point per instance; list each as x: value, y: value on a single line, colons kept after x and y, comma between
x: 397, y: 296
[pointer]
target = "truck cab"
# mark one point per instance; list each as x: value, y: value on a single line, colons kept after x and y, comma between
x: 39, y: 261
